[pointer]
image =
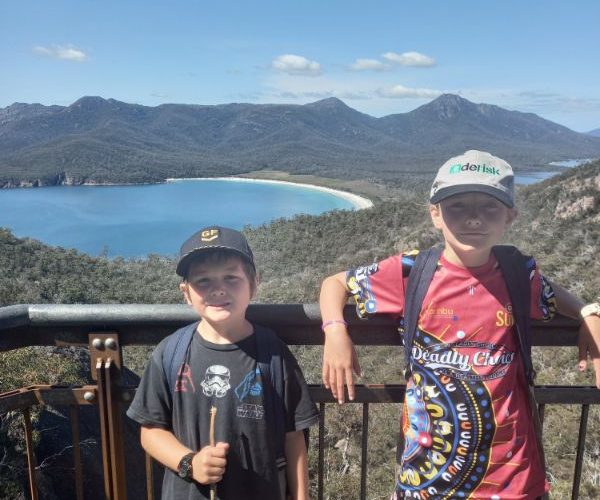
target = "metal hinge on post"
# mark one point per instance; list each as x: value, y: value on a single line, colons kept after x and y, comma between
x: 106, y: 361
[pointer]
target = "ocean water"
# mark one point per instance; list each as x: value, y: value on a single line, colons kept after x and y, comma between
x: 533, y: 177
x: 133, y: 221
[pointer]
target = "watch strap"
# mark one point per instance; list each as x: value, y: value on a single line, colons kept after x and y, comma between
x: 592, y: 309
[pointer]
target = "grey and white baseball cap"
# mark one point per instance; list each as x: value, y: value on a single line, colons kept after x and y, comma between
x: 474, y: 171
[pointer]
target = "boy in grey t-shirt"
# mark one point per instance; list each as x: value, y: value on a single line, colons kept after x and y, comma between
x: 220, y: 369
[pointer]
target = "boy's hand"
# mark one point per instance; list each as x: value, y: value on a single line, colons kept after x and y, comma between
x: 209, y: 464
x: 589, y: 343
x: 339, y: 362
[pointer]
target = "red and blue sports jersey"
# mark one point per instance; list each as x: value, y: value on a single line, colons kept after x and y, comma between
x: 466, y: 420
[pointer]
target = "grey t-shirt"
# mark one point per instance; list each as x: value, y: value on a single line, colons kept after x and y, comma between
x: 225, y: 376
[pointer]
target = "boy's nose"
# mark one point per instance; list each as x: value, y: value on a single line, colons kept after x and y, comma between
x: 218, y: 289
x: 473, y: 221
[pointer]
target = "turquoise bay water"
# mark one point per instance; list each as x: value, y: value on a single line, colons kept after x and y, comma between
x: 533, y: 177
x: 132, y: 221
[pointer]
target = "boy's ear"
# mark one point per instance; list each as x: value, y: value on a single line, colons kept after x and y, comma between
x: 184, y: 290
x: 512, y: 215
x: 436, y: 215
x: 255, y: 287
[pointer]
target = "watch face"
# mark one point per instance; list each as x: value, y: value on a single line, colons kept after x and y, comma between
x: 184, y: 469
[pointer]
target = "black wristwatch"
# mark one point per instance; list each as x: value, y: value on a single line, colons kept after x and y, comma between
x: 184, y: 469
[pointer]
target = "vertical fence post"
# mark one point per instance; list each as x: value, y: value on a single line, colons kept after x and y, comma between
x: 580, y: 449
x: 106, y: 356
x: 364, y: 446
x: 106, y: 468
x: 31, y: 462
x: 115, y: 433
x: 75, y: 436
x: 321, y: 450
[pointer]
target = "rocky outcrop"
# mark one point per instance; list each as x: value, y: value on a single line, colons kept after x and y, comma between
x: 579, y: 196
x: 569, y: 209
x: 61, y: 179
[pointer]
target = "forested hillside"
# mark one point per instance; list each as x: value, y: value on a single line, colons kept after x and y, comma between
x: 98, y: 140
x: 559, y: 223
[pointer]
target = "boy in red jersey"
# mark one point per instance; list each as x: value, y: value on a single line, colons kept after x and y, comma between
x: 466, y: 422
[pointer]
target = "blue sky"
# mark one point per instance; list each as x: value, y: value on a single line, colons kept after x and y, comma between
x: 379, y: 57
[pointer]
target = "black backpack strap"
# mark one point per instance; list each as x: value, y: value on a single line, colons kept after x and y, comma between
x: 269, y: 356
x: 513, y: 265
x: 174, y: 353
x: 515, y: 271
x: 419, y: 280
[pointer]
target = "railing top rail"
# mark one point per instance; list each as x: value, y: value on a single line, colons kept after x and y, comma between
x: 146, y: 324
x: 123, y: 314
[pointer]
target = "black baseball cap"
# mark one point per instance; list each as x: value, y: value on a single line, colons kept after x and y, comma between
x: 212, y: 238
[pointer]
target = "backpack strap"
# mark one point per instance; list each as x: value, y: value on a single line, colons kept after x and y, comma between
x: 269, y: 356
x: 513, y: 265
x: 515, y: 270
x: 419, y: 280
x: 174, y: 353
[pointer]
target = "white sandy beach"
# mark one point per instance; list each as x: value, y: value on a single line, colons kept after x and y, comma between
x: 359, y: 202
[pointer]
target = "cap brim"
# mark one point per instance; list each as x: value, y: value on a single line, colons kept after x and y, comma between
x: 185, y: 261
x: 446, y: 192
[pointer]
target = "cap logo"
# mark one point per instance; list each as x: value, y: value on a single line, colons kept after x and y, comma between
x: 209, y: 235
x: 471, y: 167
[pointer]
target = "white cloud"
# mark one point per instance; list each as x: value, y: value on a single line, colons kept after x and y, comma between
x: 409, y: 59
x: 67, y: 53
x: 296, y: 65
x: 323, y: 94
x: 368, y: 64
x: 401, y: 92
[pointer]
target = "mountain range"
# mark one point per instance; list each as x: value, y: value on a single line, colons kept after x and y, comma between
x: 96, y: 140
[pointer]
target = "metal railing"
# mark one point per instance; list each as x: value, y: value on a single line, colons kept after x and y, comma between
x: 106, y: 329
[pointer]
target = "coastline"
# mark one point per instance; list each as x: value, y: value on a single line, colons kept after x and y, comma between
x: 358, y: 202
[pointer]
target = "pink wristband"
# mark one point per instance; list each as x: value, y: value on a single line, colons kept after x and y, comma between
x: 333, y: 322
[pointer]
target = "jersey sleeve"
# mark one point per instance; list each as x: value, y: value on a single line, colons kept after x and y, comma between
x: 378, y: 288
x: 152, y: 404
x: 543, y: 301
x: 301, y: 411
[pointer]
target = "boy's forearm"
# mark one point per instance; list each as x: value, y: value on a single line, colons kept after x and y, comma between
x: 163, y: 446
x: 589, y: 331
x: 339, y: 356
x: 297, y: 465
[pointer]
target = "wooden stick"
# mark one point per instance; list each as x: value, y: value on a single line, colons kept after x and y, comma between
x: 213, y: 414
